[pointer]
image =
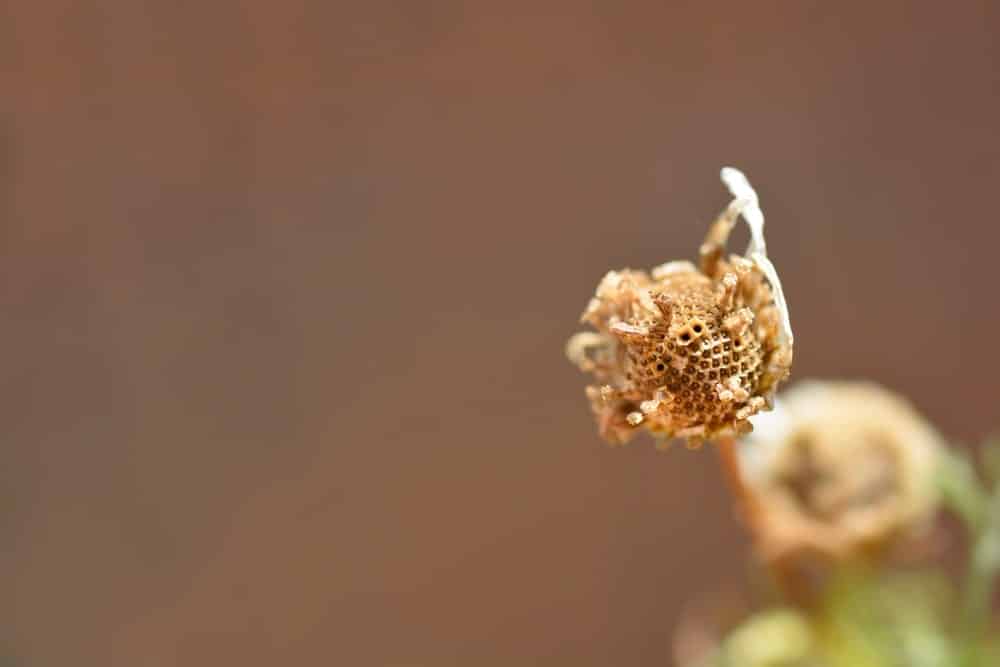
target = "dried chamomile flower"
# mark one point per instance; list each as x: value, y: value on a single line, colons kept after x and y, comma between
x: 839, y: 469
x: 686, y: 351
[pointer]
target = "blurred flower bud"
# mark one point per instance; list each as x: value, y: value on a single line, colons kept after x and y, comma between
x: 839, y: 468
x: 775, y: 638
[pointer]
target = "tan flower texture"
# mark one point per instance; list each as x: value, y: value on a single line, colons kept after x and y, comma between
x: 685, y: 351
x: 839, y: 468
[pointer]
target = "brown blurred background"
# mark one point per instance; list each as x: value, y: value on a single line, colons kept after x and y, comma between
x: 285, y: 290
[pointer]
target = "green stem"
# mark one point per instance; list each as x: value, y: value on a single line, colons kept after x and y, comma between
x: 980, y: 581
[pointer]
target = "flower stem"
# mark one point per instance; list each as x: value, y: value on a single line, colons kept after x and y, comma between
x: 749, y: 506
x: 793, y: 585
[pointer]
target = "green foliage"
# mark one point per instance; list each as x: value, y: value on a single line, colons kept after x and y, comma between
x: 877, y: 618
x: 961, y: 489
x: 978, y: 504
x: 776, y: 638
x: 866, y: 620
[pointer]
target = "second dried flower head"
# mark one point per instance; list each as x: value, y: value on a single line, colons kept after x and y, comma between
x: 685, y: 351
x: 840, y: 469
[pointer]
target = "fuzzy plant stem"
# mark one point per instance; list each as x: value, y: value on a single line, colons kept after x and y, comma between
x: 792, y: 586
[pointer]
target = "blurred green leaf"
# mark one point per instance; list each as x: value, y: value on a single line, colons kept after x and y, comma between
x: 990, y: 456
x: 961, y: 489
x: 981, y: 579
x: 899, y: 619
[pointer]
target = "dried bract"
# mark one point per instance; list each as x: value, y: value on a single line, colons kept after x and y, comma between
x: 686, y: 351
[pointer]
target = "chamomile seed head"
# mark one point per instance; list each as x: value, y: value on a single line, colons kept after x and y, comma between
x: 685, y: 351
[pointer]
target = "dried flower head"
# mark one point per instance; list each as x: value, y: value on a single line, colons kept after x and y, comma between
x: 685, y: 351
x: 839, y: 468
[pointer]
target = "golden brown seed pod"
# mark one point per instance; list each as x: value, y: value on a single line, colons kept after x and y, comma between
x: 840, y: 469
x: 686, y: 351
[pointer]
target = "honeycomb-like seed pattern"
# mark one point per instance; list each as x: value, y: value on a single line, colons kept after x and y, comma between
x: 685, y: 351
x: 686, y: 355
x: 692, y: 354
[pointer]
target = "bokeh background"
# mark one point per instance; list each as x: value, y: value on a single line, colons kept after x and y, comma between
x: 285, y: 288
